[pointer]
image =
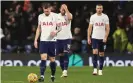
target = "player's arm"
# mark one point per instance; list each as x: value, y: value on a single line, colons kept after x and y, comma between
x: 69, y: 15
x: 38, y: 31
x: 89, y: 33
x: 90, y: 30
x: 107, y: 29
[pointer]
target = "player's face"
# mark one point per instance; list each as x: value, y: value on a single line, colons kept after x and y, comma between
x: 47, y: 11
x: 99, y: 9
x: 62, y: 11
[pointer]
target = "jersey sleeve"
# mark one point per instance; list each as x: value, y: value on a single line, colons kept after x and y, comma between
x: 67, y: 17
x: 106, y: 20
x: 91, y: 20
x: 39, y: 21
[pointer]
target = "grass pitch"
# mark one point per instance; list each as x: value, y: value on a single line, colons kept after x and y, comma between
x: 75, y: 75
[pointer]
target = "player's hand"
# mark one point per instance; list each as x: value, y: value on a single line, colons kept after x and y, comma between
x: 35, y: 44
x: 89, y: 41
x: 65, y: 7
x: 105, y: 40
x: 53, y: 33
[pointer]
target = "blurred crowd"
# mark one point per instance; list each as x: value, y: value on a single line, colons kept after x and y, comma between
x: 20, y: 19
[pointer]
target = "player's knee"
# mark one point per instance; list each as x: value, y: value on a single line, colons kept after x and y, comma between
x: 95, y: 51
x: 52, y: 59
x: 101, y: 53
x: 43, y: 56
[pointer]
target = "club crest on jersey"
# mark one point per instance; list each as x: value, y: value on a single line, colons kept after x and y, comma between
x: 99, y: 24
x: 47, y: 23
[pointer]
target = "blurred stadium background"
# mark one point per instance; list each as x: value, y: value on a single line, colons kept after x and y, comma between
x: 18, y: 25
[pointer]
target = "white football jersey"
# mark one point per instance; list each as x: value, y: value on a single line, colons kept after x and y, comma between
x: 99, y: 23
x: 1, y: 33
x: 48, y: 24
x: 65, y: 27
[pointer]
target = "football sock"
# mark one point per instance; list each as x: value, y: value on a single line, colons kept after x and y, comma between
x: 42, y: 67
x: 66, y: 61
x: 53, y: 68
x: 101, y: 62
x: 62, y: 62
x: 95, y: 60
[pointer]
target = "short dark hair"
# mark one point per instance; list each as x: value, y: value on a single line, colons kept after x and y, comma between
x: 46, y: 5
x: 99, y: 5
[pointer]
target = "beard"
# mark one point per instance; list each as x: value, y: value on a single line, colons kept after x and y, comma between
x: 99, y: 12
x: 47, y: 14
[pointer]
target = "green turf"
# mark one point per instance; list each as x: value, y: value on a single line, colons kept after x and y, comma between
x: 76, y: 75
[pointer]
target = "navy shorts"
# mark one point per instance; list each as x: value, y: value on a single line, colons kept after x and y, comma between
x: 63, y: 46
x: 98, y: 44
x: 48, y: 47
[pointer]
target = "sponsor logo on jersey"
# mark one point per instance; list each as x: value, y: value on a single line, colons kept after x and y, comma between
x: 99, y: 24
x: 47, y: 23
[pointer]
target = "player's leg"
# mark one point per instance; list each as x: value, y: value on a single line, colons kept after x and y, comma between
x: 101, y: 57
x: 64, y: 64
x: 66, y: 56
x: 66, y: 60
x: 61, y: 46
x: 52, y: 53
x: 59, y: 51
x: 43, y: 52
x: 61, y: 55
x: 101, y: 62
x: 52, y: 67
x: 66, y: 53
x: 43, y: 66
x: 95, y: 54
